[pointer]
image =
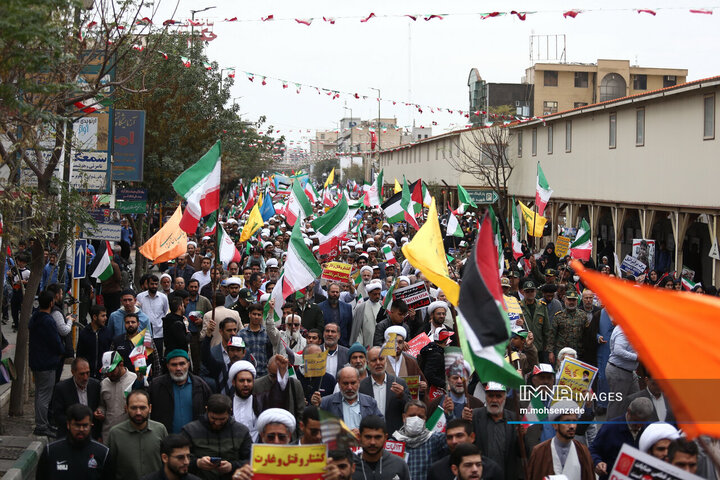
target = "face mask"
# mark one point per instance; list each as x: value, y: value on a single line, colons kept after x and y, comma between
x: 414, y: 425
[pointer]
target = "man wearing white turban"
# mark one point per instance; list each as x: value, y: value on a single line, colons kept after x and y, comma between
x: 656, y: 439
x: 367, y: 315
x: 245, y: 406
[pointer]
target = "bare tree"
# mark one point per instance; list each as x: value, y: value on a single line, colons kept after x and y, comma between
x: 482, y: 153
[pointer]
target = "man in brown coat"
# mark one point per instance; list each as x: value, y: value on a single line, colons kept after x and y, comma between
x: 562, y: 454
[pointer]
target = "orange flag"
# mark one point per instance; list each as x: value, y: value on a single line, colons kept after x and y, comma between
x: 168, y: 243
x: 675, y: 335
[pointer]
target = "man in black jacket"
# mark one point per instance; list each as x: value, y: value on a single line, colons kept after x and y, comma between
x: 77, y: 456
x: 216, y: 434
x: 80, y: 388
x: 460, y: 431
x: 94, y: 340
x: 175, y: 333
x: 175, y: 455
x: 432, y: 358
x: 193, y: 392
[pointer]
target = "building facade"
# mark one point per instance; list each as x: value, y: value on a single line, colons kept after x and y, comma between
x: 638, y: 167
x: 563, y: 86
x: 485, y: 96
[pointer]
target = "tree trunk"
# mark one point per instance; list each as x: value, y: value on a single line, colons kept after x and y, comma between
x: 17, y: 392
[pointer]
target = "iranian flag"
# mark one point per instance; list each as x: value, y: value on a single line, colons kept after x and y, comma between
x: 687, y: 284
x: 200, y: 186
x: 582, y: 246
x: 298, y: 206
x: 373, y: 193
x: 389, y: 256
x: 101, y: 267
x: 437, y: 421
x: 497, y: 238
x: 453, y: 227
x: 327, y: 199
x: 515, y: 227
x: 311, y: 193
x: 227, y: 251
x: 332, y: 226
x: 465, y: 200
x: 299, y: 271
x: 211, y: 224
x: 250, y: 203
x: 542, y: 191
x: 483, y: 325
x: 387, y: 301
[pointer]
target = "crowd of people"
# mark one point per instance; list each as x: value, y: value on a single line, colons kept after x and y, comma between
x: 223, y: 373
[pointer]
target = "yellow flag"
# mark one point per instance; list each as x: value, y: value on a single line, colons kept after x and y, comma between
x: 398, y: 187
x: 331, y: 178
x: 168, y: 243
x: 254, y: 222
x: 427, y: 253
x: 532, y: 218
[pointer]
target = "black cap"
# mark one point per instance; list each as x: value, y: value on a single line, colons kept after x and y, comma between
x: 529, y: 285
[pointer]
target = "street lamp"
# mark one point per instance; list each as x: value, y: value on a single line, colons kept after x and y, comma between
x: 378, y: 118
x: 192, y: 27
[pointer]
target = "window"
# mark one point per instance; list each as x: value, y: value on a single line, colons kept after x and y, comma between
x: 639, y: 82
x: 551, y: 78
x: 550, y: 107
x: 550, y: 139
x: 612, y: 138
x: 534, y: 142
x: 669, y: 81
x: 639, y: 127
x: 579, y: 104
x: 520, y: 140
x: 612, y: 86
x: 568, y: 136
x: 709, y: 117
x: 581, y: 79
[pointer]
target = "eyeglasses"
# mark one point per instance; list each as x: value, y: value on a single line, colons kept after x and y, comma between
x: 279, y: 436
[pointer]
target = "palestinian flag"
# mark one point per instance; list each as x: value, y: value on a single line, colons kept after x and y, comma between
x: 299, y: 271
x: 483, y: 326
x: 389, y: 295
x: 537, y: 411
x: 416, y: 197
x: 582, y: 246
x: 437, y: 421
x: 332, y: 226
x: 211, y: 224
x: 426, y: 197
x: 453, y: 227
x: 311, y: 193
x: 373, y: 193
x: 515, y: 232
x: 298, y: 206
x: 389, y: 255
x: 227, y: 251
x: 465, y: 200
x: 101, y: 266
x: 498, y: 240
x: 542, y: 191
x: 200, y: 186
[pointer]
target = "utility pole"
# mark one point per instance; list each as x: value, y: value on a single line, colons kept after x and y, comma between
x: 378, y: 128
x: 192, y: 28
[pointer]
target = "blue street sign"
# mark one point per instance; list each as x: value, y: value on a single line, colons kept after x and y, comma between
x: 79, y: 258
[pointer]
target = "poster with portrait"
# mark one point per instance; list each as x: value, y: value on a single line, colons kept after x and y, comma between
x: 644, y: 250
x: 578, y: 376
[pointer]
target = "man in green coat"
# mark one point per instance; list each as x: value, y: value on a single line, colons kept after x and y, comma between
x: 536, y: 316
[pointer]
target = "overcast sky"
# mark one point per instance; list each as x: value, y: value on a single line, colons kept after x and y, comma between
x: 427, y: 62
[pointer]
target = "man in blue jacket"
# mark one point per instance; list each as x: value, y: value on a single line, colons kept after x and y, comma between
x: 46, y: 350
x: 336, y: 311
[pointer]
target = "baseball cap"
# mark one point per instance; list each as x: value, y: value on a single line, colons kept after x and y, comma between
x: 505, y: 282
x: 519, y: 331
x: 529, y: 285
x: 495, y: 387
x: 236, y: 341
x: 245, y: 294
x: 442, y: 334
x: 110, y: 360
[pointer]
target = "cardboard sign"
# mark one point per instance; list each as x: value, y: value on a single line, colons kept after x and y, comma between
x: 396, y: 448
x: 315, y: 364
x: 644, y: 250
x: 435, y: 392
x: 632, y: 266
x: 578, y: 376
x: 514, y: 311
x: 389, y: 348
x: 415, y: 295
x: 417, y: 344
x: 337, y: 272
x: 562, y: 244
x: 631, y: 463
x: 280, y: 462
x: 413, y: 383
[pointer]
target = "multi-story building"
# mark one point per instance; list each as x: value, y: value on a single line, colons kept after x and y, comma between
x: 563, y: 86
x: 642, y: 166
x: 354, y: 135
x: 485, y: 96
x: 324, y: 145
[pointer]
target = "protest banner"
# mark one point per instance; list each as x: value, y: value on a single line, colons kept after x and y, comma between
x: 514, y: 312
x: 413, y: 383
x: 389, y: 348
x: 315, y: 364
x: 396, y: 448
x: 644, y: 250
x: 288, y: 462
x: 562, y: 244
x: 632, y: 266
x: 415, y: 295
x: 578, y: 376
x: 632, y: 464
x: 337, y: 272
x: 416, y: 344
